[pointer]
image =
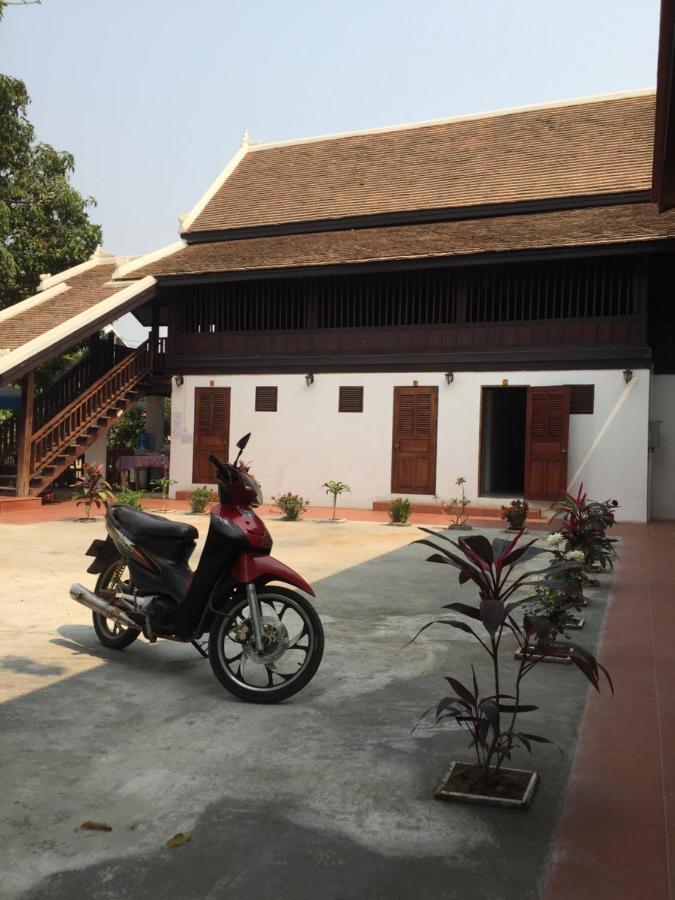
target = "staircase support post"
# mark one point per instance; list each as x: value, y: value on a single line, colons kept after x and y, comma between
x: 24, y: 435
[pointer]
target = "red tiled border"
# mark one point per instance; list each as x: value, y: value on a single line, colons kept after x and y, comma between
x: 616, y: 839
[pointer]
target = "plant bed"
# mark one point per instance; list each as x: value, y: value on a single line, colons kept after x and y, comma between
x: 557, y: 653
x: 464, y: 783
x: 460, y: 527
x: 330, y: 521
x: 398, y: 524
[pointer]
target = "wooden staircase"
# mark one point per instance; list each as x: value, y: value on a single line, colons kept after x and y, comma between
x: 58, y: 442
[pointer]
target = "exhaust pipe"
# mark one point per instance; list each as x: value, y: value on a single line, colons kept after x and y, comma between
x: 80, y: 593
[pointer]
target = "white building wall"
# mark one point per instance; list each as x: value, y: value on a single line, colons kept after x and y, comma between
x: 307, y: 442
x: 663, y: 457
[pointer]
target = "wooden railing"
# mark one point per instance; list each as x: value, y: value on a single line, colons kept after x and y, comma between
x: 8, y: 441
x: 62, y: 431
x: 77, y: 379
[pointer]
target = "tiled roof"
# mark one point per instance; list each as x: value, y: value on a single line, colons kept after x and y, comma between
x: 582, y: 148
x: 83, y: 290
x: 595, y: 226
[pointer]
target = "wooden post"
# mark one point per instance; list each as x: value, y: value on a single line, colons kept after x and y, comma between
x: 154, y: 336
x: 25, y: 433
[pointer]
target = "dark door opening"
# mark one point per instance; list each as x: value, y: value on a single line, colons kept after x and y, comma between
x: 502, y: 451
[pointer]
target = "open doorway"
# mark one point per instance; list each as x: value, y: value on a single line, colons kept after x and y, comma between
x: 502, y: 450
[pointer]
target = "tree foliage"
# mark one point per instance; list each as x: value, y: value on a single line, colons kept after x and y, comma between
x: 44, y: 223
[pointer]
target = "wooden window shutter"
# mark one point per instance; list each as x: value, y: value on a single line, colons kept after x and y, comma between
x: 266, y: 399
x: 582, y: 399
x: 351, y: 400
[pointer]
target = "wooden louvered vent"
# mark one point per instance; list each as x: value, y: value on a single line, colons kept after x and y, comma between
x: 582, y: 399
x: 266, y: 399
x: 350, y: 400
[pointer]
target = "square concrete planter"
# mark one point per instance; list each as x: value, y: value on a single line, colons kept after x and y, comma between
x: 445, y: 790
x: 553, y: 657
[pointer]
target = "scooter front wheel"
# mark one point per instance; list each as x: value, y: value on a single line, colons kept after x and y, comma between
x: 293, y: 646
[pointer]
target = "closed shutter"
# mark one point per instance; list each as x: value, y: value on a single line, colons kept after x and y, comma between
x: 266, y: 399
x: 350, y: 400
x: 582, y: 399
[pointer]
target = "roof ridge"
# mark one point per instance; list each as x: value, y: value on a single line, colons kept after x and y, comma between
x: 430, y: 123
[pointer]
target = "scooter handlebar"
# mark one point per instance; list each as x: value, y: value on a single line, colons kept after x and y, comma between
x: 220, y: 467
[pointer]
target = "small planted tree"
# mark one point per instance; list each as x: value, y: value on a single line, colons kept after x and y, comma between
x: 335, y: 488
x: 163, y: 484
x: 457, y: 510
x: 492, y: 716
x: 93, y: 489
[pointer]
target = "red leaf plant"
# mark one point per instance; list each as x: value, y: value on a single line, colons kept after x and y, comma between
x: 493, y: 719
x: 93, y: 489
x: 584, y: 525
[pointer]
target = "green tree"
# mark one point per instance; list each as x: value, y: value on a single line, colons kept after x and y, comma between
x: 44, y: 223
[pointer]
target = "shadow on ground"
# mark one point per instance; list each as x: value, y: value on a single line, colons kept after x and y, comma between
x: 328, y: 795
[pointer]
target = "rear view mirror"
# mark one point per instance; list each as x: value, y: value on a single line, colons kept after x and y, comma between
x: 242, y: 442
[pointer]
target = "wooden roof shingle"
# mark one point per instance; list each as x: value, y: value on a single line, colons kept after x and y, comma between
x: 577, y: 149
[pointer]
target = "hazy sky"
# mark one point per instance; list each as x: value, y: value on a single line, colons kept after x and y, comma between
x: 152, y: 96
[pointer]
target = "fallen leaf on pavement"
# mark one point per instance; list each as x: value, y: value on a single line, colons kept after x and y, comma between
x: 95, y: 826
x: 179, y: 839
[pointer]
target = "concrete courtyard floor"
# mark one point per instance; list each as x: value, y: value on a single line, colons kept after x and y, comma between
x: 325, y: 796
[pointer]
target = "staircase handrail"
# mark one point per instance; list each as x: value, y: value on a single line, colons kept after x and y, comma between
x: 56, y: 434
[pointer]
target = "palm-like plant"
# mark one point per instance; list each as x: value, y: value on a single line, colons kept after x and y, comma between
x: 336, y: 488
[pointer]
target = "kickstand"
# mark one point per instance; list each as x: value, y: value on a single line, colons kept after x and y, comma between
x: 198, y: 647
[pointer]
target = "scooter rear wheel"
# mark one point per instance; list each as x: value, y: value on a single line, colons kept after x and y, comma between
x: 112, y: 634
x: 293, y: 647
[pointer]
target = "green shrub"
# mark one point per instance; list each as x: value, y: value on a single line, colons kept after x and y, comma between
x: 291, y: 505
x: 400, y: 510
x: 130, y: 498
x: 200, y: 499
x: 516, y: 514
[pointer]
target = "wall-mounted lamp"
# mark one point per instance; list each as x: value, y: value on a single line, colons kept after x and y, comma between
x: 179, y: 380
x: 309, y: 378
x: 449, y: 377
x: 627, y: 375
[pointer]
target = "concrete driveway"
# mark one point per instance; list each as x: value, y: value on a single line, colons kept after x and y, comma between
x: 325, y: 796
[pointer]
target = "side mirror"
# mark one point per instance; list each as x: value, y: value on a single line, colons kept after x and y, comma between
x: 242, y: 442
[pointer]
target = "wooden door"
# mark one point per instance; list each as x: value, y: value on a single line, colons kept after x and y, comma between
x: 211, y: 432
x: 546, y: 433
x: 413, y: 469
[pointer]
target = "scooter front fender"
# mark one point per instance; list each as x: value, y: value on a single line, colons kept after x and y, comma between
x: 248, y: 569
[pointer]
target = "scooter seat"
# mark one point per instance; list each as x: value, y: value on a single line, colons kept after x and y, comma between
x: 145, y: 525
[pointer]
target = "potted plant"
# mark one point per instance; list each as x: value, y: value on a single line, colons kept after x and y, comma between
x: 163, y: 484
x: 127, y: 497
x: 400, y: 511
x: 336, y: 488
x: 492, y: 717
x: 93, y: 489
x: 291, y: 505
x: 584, y: 525
x: 200, y: 499
x: 516, y: 514
x: 457, y: 510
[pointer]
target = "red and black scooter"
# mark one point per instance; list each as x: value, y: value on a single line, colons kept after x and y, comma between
x: 265, y: 642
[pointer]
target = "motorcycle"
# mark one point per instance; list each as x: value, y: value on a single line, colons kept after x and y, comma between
x: 265, y: 641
